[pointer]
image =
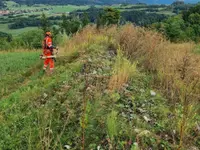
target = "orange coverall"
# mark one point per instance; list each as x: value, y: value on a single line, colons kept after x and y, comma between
x: 47, y: 51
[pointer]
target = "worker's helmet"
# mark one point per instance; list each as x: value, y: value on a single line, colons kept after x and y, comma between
x: 48, y: 33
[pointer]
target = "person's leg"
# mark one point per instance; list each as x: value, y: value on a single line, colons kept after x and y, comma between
x: 46, y: 62
x: 51, y: 62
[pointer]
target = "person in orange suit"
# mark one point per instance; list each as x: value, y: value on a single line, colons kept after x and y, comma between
x: 48, y: 51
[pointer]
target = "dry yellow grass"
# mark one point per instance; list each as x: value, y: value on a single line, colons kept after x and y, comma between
x: 123, y: 71
x: 175, y: 67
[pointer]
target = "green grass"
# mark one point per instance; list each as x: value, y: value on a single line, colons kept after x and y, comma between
x: 13, y: 65
x: 197, y: 49
x: 67, y: 8
x: 166, y: 13
x: 55, y: 8
x: 14, y: 62
x: 39, y: 111
x: 10, y: 4
x: 42, y: 108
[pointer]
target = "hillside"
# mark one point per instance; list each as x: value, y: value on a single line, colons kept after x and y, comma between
x: 112, y: 89
x: 99, y: 2
x: 76, y: 2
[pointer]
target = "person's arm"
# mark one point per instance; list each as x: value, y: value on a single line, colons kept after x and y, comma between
x: 49, y: 43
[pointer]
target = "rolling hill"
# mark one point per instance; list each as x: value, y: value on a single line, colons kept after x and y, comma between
x: 77, y: 2
x: 166, y: 1
x: 101, y: 96
x: 99, y: 2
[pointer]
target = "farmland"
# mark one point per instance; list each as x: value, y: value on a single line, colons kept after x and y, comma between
x: 24, y: 11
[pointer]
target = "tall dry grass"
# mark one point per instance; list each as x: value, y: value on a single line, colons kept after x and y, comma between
x: 122, y: 72
x: 83, y: 39
x: 176, y: 70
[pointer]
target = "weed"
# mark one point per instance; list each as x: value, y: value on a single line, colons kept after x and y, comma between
x: 122, y: 72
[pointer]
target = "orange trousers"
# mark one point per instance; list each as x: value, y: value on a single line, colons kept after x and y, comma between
x: 48, y: 61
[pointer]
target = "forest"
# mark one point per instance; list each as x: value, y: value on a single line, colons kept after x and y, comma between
x: 183, y: 27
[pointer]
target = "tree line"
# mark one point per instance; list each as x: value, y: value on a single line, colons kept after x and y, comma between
x: 140, y: 18
x: 68, y: 26
x: 182, y: 27
x: 73, y: 2
x: 1, y: 4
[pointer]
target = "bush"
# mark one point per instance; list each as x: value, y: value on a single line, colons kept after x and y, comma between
x: 32, y: 39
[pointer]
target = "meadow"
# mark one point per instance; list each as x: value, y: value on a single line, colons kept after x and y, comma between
x: 15, y: 32
x: 13, y: 66
x: 14, y: 62
x: 126, y: 88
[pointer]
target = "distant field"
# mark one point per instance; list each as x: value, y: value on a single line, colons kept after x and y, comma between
x: 52, y: 9
x: 14, y: 32
x: 57, y: 10
x: 37, y: 10
x: 67, y: 8
x: 166, y: 13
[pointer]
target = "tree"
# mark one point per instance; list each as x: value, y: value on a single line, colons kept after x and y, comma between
x: 194, y: 18
x: 70, y: 25
x: 99, y: 21
x: 175, y: 28
x: 6, y: 36
x: 108, y: 17
x: 45, y: 25
x: 111, y: 16
x: 64, y: 24
x: 31, y: 39
x: 85, y: 20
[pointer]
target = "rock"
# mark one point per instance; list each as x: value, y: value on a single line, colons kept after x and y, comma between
x: 144, y: 133
x: 146, y: 119
x: 67, y: 147
x: 153, y: 93
x: 45, y: 95
x: 123, y: 114
x: 125, y: 85
x: 98, y: 147
x: 140, y: 110
x: 193, y: 148
x: 198, y: 126
x: 137, y: 130
x: 89, y: 60
x: 100, y: 70
x: 94, y: 72
x: 142, y: 90
x: 174, y: 132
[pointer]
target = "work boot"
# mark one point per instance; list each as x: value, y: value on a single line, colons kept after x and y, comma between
x: 51, y: 71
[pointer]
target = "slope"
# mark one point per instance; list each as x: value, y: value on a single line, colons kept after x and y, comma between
x: 97, y: 98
